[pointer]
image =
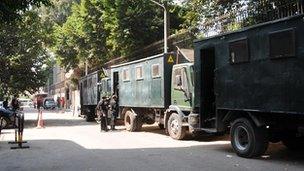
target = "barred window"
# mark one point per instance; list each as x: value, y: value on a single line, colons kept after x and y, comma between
x: 239, y: 51
x: 282, y: 44
x: 139, y: 73
x: 155, y: 71
x: 125, y: 75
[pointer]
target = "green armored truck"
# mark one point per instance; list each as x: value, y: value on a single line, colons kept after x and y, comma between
x: 144, y: 88
x: 92, y: 87
x: 249, y: 82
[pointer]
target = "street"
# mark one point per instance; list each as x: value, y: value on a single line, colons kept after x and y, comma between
x: 69, y: 143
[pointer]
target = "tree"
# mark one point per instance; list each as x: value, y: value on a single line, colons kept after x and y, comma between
x: 82, y: 36
x: 10, y: 10
x: 228, y: 15
x: 98, y: 30
x: 22, y: 55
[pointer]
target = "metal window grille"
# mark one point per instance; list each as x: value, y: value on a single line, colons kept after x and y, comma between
x: 282, y: 44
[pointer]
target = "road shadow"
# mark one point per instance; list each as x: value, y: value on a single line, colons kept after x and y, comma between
x: 201, y: 137
x: 68, y: 155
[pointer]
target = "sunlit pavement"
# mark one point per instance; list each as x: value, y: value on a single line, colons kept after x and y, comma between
x: 69, y: 143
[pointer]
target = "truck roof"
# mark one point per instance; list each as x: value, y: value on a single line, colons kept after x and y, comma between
x: 137, y: 61
x: 248, y: 28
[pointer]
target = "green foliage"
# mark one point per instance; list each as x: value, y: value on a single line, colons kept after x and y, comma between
x: 10, y: 9
x: 22, y: 55
x: 82, y: 36
x: 229, y: 15
x: 135, y: 25
x: 98, y: 30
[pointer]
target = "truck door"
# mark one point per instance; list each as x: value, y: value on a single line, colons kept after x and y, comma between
x: 116, y: 84
x: 207, y: 87
x: 180, y: 93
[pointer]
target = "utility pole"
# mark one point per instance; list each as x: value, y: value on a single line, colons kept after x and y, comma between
x: 86, y: 67
x: 166, y: 19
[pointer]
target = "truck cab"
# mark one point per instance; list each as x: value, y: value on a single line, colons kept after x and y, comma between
x: 182, y: 86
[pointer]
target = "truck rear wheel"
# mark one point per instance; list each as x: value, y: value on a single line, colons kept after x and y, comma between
x: 90, y: 115
x: 175, y: 128
x: 130, y: 121
x: 247, y: 139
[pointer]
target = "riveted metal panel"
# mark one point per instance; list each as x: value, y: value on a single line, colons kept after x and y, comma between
x: 148, y: 91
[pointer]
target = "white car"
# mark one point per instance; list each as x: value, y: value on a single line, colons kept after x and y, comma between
x: 26, y: 103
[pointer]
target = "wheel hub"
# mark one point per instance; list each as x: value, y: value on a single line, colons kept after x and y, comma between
x: 174, y: 126
x: 241, y: 138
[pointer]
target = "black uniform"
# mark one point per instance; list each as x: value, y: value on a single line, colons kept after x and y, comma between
x: 103, y: 108
x: 114, y: 112
x: 5, y: 104
x: 15, y: 104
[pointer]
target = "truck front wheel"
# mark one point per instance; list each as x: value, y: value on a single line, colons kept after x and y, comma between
x: 247, y: 139
x: 175, y: 128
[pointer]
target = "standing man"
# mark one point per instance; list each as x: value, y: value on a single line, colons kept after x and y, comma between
x: 58, y: 102
x: 15, y: 103
x: 114, y: 111
x: 102, y: 107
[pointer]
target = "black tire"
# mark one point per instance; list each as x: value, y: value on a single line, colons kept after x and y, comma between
x: 89, y: 117
x: 247, y: 139
x: 130, y: 121
x: 293, y: 143
x: 175, y: 128
x: 161, y: 126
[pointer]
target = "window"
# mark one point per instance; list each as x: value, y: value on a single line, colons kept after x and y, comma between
x: 238, y: 51
x: 282, y: 44
x: 155, y: 71
x: 139, y: 73
x: 125, y: 75
x: 180, y: 79
x: 177, y: 78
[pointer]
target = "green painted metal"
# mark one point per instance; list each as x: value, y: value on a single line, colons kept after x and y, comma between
x: 182, y: 95
x: 147, y: 90
x: 105, y: 87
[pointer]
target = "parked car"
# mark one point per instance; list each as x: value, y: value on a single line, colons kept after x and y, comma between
x: 7, y: 116
x: 26, y: 103
x: 49, y: 103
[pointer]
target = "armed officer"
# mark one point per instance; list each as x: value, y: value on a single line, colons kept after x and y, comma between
x: 102, y: 110
x: 114, y: 111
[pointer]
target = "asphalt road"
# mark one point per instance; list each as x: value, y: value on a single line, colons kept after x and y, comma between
x: 69, y: 143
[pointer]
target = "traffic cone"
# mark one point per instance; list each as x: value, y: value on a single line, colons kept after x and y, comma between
x: 40, y: 123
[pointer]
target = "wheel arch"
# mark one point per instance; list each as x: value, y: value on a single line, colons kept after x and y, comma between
x: 169, y: 111
x: 230, y: 115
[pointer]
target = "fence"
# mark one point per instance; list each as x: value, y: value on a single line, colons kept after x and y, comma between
x: 252, y: 13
